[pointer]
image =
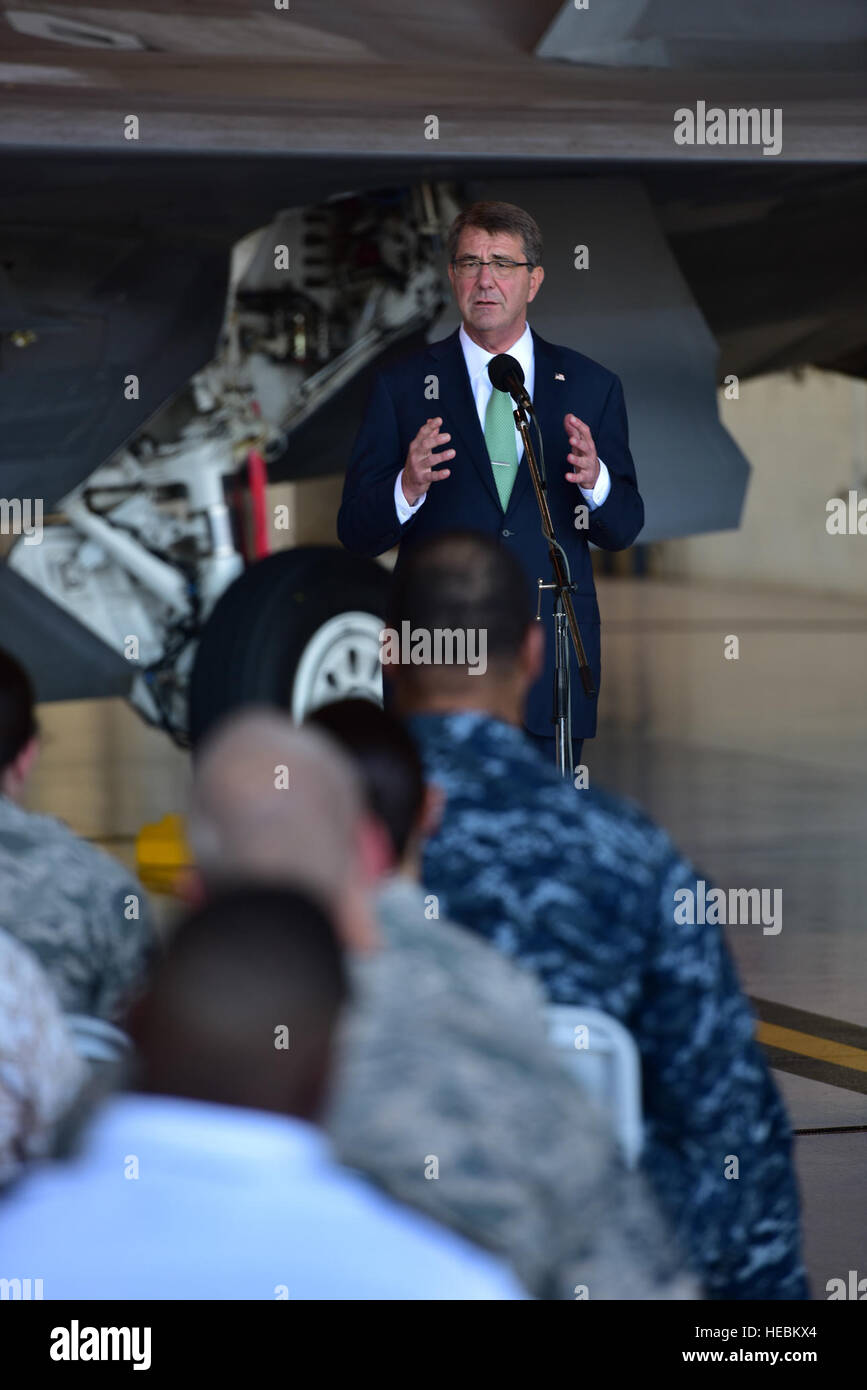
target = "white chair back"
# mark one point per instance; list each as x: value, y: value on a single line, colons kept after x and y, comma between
x: 603, y: 1058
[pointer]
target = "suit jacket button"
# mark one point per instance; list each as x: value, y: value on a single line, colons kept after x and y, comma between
x: 507, y: 532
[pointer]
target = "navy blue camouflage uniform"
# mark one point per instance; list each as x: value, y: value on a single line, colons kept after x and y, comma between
x: 578, y: 886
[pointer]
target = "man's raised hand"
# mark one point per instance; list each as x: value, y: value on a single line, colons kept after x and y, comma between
x: 582, y: 455
x: 421, y: 467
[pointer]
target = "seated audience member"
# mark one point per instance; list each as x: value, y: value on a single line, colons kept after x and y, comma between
x: 579, y: 887
x: 271, y: 803
x: 78, y: 910
x: 213, y: 1181
x: 40, y: 1071
x: 449, y: 1096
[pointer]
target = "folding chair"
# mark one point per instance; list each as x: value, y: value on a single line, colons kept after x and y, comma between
x: 603, y: 1058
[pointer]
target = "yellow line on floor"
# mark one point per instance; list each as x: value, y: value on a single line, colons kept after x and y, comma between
x: 838, y: 1054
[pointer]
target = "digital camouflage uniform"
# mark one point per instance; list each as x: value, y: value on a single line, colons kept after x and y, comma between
x: 579, y: 887
x: 449, y: 1096
x: 40, y: 1073
x: 81, y: 912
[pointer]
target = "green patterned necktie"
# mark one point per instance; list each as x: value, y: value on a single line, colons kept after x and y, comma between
x: 500, y: 439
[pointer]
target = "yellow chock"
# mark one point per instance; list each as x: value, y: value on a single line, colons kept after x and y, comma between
x: 162, y: 854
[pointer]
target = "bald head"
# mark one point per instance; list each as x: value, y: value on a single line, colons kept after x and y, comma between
x: 273, y: 803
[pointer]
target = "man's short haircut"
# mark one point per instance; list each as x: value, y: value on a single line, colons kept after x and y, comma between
x: 253, y: 960
x: 387, y: 759
x: 494, y: 217
x: 17, y: 709
x: 462, y: 580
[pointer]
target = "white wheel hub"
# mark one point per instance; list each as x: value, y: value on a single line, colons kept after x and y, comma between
x: 340, y: 662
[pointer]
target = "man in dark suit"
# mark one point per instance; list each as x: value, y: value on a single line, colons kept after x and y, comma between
x: 410, y: 478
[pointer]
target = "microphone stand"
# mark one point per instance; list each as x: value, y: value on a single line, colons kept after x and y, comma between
x: 565, y: 622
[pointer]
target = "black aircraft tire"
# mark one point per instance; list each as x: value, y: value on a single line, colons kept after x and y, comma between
x: 262, y: 627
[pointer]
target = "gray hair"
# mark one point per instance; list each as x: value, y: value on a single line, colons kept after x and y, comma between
x: 499, y: 217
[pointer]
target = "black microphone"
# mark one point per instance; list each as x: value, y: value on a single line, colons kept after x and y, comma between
x: 507, y: 374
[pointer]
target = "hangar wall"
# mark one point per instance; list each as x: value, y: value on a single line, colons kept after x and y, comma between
x: 806, y: 437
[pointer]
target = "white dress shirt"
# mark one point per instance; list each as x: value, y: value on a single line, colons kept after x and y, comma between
x: 227, y: 1204
x: 477, y: 359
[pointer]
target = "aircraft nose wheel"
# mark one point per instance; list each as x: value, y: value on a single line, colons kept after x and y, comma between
x: 340, y: 662
x: 297, y: 630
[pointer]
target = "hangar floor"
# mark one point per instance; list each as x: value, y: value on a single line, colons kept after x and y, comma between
x: 756, y: 765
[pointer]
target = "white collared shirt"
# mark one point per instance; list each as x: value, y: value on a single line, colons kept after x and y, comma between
x: 477, y: 359
x: 225, y: 1203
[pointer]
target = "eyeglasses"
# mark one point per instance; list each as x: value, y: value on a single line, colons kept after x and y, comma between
x: 468, y: 266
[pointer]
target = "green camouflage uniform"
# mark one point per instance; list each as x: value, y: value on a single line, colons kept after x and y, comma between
x: 449, y: 1096
x: 81, y: 912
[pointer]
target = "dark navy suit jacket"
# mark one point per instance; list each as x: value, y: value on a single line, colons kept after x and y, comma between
x: 400, y: 402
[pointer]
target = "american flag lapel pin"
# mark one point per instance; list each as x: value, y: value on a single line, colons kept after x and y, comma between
x: 558, y: 376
